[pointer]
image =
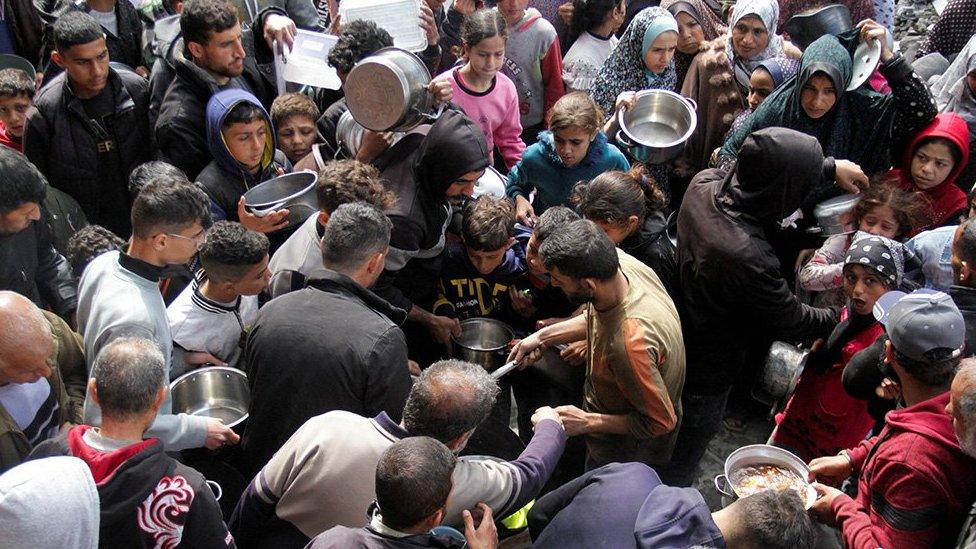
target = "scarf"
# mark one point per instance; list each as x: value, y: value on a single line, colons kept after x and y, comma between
x: 884, y: 255
x: 712, y: 27
x: 768, y: 12
x: 624, y: 69
x: 951, y: 91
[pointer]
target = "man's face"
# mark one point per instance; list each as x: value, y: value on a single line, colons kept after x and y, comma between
x: 964, y: 432
x: 19, y: 218
x: 464, y: 186
x: 255, y: 280
x: 223, y: 53
x: 87, y: 67
x: 183, y: 245
x: 246, y: 141
x: 577, y: 291
x: 29, y: 363
x: 13, y: 113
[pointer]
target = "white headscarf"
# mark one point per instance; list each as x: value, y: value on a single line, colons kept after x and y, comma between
x: 768, y: 12
x: 951, y: 91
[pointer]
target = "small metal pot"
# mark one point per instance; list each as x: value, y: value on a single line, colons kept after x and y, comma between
x: 657, y: 127
x: 217, y: 391
x: 483, y: 341
x: 806, y: 27
x: 780, y: 374
x: 835, y: 215
x: 294, y: 191
x: 762, y: 454
x: 387, y: 91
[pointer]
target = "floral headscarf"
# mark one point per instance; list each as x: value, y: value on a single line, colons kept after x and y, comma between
x: 768, y: 12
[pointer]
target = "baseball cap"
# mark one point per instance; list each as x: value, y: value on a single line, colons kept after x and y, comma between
x: 921, y: 321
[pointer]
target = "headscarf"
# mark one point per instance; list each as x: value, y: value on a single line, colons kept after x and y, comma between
x: 781, y: 69
x: 884, y: 255
x: 712, y: 27
x: 952, y: 92
x: 624, y: 70
x: 768, y: 12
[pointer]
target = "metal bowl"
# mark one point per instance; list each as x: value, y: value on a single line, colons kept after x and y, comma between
x: 483, y: 341
x: 780, y: 374
x: 657, y: 127
x: 835, y: 215
x: 805, y: 28
x: 349, y: 135
x: 387, y: 91
x: 294, y: 191
x: 762, y: 454
x: 216, y: 391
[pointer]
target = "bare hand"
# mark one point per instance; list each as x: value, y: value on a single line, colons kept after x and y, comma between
x: 888, y: 389
x: 267, y: 223
x: 142, y: 71
x: 872, y: 31
x: 335, y: 25
x: 442, y: 328
x: 849, y: 176
x: 575, y: 421
x: 520, y: 302
x: 524, y: 213
x: 575, y: 353
x: 625, y: 100
x: 428, y: 25
x: 279, y: 30
x: 485, y: 536
x: 219, y: 434
x: 831, y: 470
x: 373, y: 145
x: 195, y: 359
x: 413, y: 367
x: 441, y: 90
x: 527, y: 351
x: 465, y: 7
x: 566, y: 12
x: 822, y: 509
x: 545, y: 412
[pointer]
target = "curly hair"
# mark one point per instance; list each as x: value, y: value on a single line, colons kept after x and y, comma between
x: 450, y: 398
x: 357, y: 40
x: 344, y: 181
x: 907, y: 206
x: 199, y: 18
x: 230, y: 250
x: 89, y: 243
x: 488, y: 223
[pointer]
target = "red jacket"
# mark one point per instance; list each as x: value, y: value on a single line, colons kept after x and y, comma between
x: 915, y: 485
x: 8, y: 141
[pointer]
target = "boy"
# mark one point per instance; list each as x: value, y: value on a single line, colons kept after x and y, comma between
x: 16, y: 99
x: 241, y: 140
x: 293, y: 116
x: 214, y: 313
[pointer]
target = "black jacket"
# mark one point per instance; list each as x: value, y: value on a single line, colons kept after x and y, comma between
x: 166, y: 36
x: 30, y: 266
x: 122, y: 48
x: 735, y: 299
x: 651, y: 245
x: 63, y: 142
x: 331, y: 346
x: 26, y: 29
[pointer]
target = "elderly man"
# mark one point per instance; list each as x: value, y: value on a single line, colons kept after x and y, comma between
x: 962, y: 410
x: 41, y: 364
x: 635, y: 365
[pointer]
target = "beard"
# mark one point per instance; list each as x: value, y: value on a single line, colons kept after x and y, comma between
x: 579, y: 297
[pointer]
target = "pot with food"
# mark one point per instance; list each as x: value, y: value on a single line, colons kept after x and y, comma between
x: 759, y: 467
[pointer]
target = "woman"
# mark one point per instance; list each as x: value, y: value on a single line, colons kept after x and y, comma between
x: 697, y: 24
x: 765, y: 79
x: 952, y: 31
x: 862, y: 125
x: 955, y: 92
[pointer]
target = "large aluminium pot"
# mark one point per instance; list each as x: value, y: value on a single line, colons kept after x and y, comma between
x: 836, y: 215
x: 217, y: 391
x: 387, y: 91
x: 293, y: 191
x: 655, y: 129
x: 762, y: 454
x: 483, y: 341
x: 806, y: 27
x: 780, y: 374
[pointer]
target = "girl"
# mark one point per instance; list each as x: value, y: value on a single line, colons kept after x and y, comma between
x: 574, y: 149
x: 643, y: 60
x: 697, y: 24
x: 820, y: 418
x: 765, y: 78
x: 487, y: 96
x: 592, y: 31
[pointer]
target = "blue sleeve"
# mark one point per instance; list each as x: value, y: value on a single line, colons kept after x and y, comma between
x: 536, y: 463
x: 216, y: 212
x: 617, y: 159
x: 517, y: 184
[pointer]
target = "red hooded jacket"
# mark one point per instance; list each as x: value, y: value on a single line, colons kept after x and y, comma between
x: 915, y: 485
x: 947, y: 199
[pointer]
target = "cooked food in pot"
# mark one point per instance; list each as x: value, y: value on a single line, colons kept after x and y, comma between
x: 757, y: 478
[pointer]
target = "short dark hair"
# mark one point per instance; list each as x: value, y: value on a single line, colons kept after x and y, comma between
x: 199, y: 18
x: 355, y: 232
x: 128, y: 373
x: 935, y: 371
x: 552, y: 220
x: 15, y: 83
x: 450, y: 398
x: 146, y: 172
x: 244, y: 112
x: 357, y: 40
x: 293, y: 104
x: 967, y: 244
x: 580, y: 250
x: 776, y: 519
x: 413, y: 480
x: 169, y: 204
x: 87, y: 244
x: 488, y: 223
x: 22, y: 182
x: 344, y: 181
x: 74, y: 28
x: 230, y: 250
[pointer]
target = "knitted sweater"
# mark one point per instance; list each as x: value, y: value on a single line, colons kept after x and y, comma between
x: 534, y: 64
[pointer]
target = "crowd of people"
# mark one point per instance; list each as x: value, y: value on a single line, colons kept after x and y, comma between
x: 643, y: 296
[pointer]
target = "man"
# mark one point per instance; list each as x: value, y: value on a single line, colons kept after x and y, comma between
x: 148, y: 499
x: 29, y: 264
x: 90, y: 127
x: 625, y: 505
x: 42, y: 377
x: 119, y: 297
x: 963, y: 289
x: 962, y: 410
x: 636, y: 360
x: 283, y: 505
x: 915, y: 484
x: 413, y: 482
x: 331, y: 346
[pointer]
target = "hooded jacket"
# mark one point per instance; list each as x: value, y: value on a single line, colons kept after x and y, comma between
x: 419, y: 169
x: 166, y: 35
x: 734, y: 294
x: 224, y: 179
x: 650, y: 244
x: 915, y: 484
x: 466, y: 293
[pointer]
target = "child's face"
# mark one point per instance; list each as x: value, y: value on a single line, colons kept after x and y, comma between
x: 487, y: 262
x: 487, y: 57
x: 13, y: 114
x: 296, y: 136
x: 618, y: 232
x: 512, y: 10
x: 255, y: 280
x: 532, y: 257
x: 572, y: 143
x: 863, y: 286
x: 661, y: 52
x: 931, y: 165
x: 760, y: 86
x: 245, y: 142
x: 880, y: 221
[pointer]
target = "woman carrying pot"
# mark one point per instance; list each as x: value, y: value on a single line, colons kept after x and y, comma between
x: 697, y: 24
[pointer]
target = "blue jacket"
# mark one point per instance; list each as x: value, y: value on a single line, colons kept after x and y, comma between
x: 543, y: 171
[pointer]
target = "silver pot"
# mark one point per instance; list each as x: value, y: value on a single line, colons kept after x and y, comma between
x: 216, y: 391
x: 762, y: 454
x: 483, y: 341
x: 294, y: 191
x: 387, y: 91
x: 672, y: 228
x: 657, y: 127
x: 780, y: 374
x: 835, y: 215
x: 349, y: 135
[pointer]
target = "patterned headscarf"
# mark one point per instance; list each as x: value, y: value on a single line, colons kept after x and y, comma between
x: 884, y: 255
x: 712, y: 27
x: 952, y: 92
x: 768, y: 12
x: 624, y: 70
x: 781, y: 68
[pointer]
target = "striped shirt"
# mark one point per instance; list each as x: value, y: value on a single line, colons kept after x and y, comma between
x: 34, y: 407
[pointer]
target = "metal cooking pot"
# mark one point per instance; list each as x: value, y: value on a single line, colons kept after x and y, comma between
x: 349, y: 134
x: 762, y: 454
x: 806, y: 27
x: 483, y: 341
x: 835, y: 215
x: 294, y: 191
x: 780, y: 374
x: 657, y: 127
x: 387, y: 91
x: 672, y: 228
x: 216, y: 391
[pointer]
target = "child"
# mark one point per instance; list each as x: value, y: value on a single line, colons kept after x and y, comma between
x: 533, y: 63
x: 931, y: 165
x: 572, y: 150
x: 592, y: 28
x: 763, y: 80
x: 16, y: 99
x: 478, y: 271
x: 293, y: 116
x: 242, y: 142
x: 213, y: 314
x: 486, y: 96
x: 821, y: 418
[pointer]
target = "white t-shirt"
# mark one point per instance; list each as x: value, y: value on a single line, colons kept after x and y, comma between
x: 584, y: 60
x: 107, y: 20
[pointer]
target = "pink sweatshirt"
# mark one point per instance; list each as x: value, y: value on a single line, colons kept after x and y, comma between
x: 496, y: 111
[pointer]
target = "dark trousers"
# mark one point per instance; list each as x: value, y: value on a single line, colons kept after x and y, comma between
x: 700, y: 423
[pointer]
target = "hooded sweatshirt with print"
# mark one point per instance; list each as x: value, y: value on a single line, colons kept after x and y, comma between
x: 534, y: 63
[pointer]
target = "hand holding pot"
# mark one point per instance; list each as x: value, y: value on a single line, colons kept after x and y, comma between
x: 831, y: 470
x: 850, y: 177
x: 822, y: 509
x: 270, y: 222
x: 625, y: 100
x: 442, y: 328
x: 527, y: 351
x: 441, y: 90
x: 872, y: 31
x: 219, y: 434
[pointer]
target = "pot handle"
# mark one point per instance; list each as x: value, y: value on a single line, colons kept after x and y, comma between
x: 217, y: 490
x: 623, y: 141
x: 720, y: 488
x: 436, y: 115
x: 692, y: 102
